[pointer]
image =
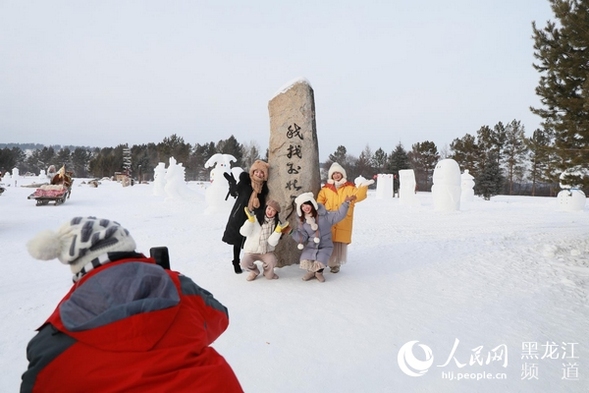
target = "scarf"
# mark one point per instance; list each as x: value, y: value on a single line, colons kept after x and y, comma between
x: 265, y: 233
x: 309, y: 219
x: 340, y: 182
x: 104, y: 259
x: 254, y: 202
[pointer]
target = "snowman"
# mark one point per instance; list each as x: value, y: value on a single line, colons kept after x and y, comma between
x: 217, y: 192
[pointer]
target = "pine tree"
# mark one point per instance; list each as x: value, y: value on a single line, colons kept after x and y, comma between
x: 107, y: 161
x: 514, y: 153
x: 174, y: 146
x: 340, y: 155
x: 363, y: 166
x: 79, y: 159
x: 540, y: 157
x: 490, y: 180
x: 64, y: 158
x: 398, y: 159
x: 10, y: 158
x: 141, y: 163
x: 490, y: 142
x: 231, y: 146
x: 379, y: 160
x: 250, y: 153
x: 466, y: 153
x: 562, y: 49
x: 423, y: 157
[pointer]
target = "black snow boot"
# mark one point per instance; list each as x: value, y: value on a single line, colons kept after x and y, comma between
x: 237, y: 268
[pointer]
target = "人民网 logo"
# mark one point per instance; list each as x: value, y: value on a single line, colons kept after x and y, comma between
x: 410, y: 364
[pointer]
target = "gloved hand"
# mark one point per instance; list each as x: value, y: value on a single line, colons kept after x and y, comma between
x: 361, y: 181
x: 350, y: 198
x: 232, y: 184
x: 367, y: 183
x: 250, y: 215
x: 280, y: 228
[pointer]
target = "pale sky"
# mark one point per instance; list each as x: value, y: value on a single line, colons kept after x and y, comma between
x: 104, y: 73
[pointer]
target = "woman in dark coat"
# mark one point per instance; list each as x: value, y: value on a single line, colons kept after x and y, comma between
x: 250, y: 192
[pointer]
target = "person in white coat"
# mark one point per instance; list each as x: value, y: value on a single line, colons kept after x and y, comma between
x: 262, y: 233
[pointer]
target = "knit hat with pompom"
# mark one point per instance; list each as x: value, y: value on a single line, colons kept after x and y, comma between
x: 80, y: 240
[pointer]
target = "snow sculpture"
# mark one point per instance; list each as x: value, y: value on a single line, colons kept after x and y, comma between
x: 446, y: 188
x: 216, y: 192
x: 407, y: 185
x: 43, y: 177
x: 159, y: 179
x: 571, y: 198
x: 15, y: 177
x: 384, y: 186
x: 467, y: 187
x: 6, y: 178
x: 176, y: 187
x: 222, y: 163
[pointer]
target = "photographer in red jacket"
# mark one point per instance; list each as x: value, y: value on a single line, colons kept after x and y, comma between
x: 127, y: 324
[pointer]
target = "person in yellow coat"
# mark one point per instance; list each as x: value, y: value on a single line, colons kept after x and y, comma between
x: 332, y: 195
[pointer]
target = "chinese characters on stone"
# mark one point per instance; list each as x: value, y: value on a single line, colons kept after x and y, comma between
x: 295, y: 155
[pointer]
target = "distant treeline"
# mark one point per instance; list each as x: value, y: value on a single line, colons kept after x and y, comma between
x: 501, y: 159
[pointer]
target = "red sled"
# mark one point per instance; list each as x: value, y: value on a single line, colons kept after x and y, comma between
x: 56, y: 193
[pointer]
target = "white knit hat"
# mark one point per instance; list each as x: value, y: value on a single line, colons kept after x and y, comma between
x: 305, y: 197
x: 80, y: 240
x: 335, y: 167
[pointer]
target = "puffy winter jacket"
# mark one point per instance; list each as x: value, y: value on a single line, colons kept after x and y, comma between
x: 304, y: 234
x: 332, y: 198
x: 131, y: 326
x: 252, y: 232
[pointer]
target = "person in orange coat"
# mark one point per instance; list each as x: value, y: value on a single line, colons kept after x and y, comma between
x: 332, y: 195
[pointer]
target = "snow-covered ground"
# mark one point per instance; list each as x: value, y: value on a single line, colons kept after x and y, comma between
x: 491, y: 298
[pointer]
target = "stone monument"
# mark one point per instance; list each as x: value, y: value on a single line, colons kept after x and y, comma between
x: 293, y: 157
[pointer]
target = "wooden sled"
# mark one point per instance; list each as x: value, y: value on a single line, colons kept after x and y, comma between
x: 55, y: 193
